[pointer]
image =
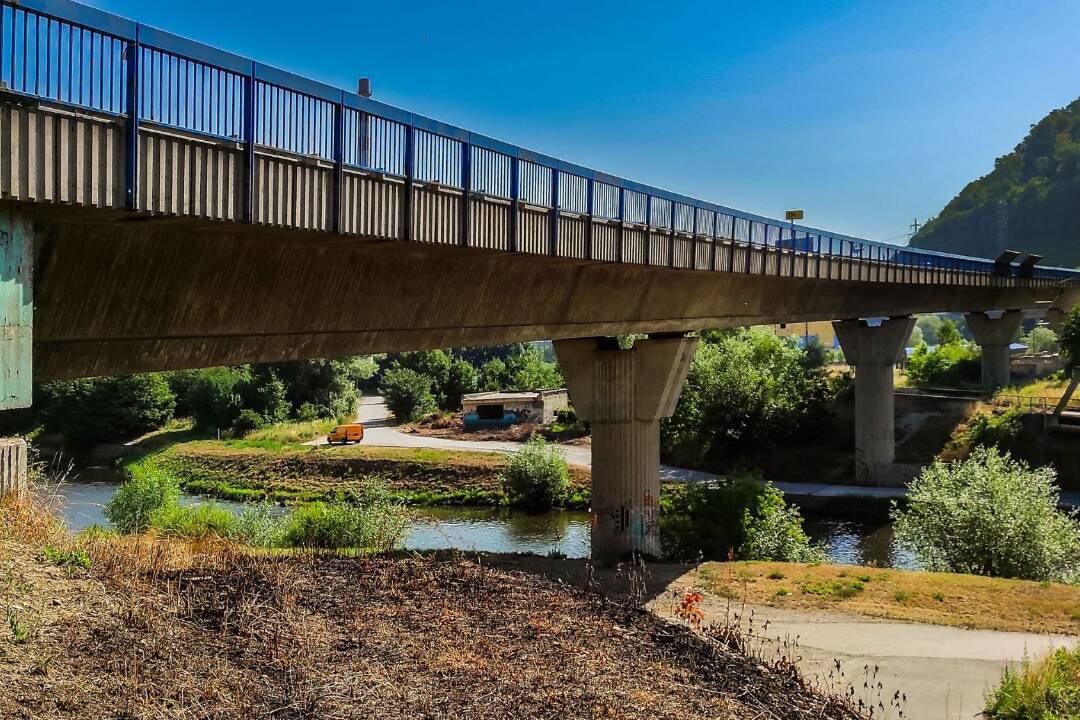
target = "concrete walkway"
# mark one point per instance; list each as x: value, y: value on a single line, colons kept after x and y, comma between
x: 945, y: 672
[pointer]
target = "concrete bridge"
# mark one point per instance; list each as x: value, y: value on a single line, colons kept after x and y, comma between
x: 164, y: 205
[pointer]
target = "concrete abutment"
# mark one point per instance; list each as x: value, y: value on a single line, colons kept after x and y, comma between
x: 16, y: 336
x: 624, y: 393
x: 873, y: 351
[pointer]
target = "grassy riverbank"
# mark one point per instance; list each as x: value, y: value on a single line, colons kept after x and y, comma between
x: 969, y: 601
x: 252, y: 470
x: 144, y: 626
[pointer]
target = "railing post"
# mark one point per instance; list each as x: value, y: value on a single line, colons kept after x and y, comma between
x: 466, y: 194
x: 410, y: 174
x: 589, y: 187
x: 648, y: 229
x: 365, y: 139
x: 622, y: 225
x: 731, y: 253
x: 554, y: 234
x: 131, y: 166
x: 337, y: 223
x: 672, y: 206
x: 714, y: 233
x: 249, y: 147
x: 749, y: 245
x: 515, y: 203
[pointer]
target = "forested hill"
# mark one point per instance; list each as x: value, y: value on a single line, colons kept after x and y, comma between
x: 1029, y: 202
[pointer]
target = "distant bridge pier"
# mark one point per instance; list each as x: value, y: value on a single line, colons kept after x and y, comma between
x: 873, y: 351
x: 994, y: 332
x: 623, y: 394
x: 16, y: 329
x: 1055, y: 319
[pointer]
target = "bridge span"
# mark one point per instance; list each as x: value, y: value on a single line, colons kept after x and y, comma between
x: 165, y: 204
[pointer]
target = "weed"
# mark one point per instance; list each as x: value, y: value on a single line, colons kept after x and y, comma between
x: 902, y: 596
x: 69, y: 560
x: 838, y: 588
x: 776, y: 575
x: 939, y: 596
x: 20, y: 633
x: 781, y: 592
x: 864, y: 578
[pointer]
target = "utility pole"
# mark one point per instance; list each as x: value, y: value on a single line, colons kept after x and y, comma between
x: 914, y: 227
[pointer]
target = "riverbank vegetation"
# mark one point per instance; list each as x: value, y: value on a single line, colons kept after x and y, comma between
x: 166, y: 628
x: 1044, y: 689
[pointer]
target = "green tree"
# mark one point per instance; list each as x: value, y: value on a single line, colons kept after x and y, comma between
x: 214, y: 396
x: 1041, y: 339
x: 1070, y: 337
x: 948, y: 334
x: 990, y: 515
x: 493, y: 375
x: 108, y: 409
x: 463, y: 379
x: 928, y: 325
x: 408, y: 394
x: 747, y: 391
x: 916, y: 337
x: 528, y: 369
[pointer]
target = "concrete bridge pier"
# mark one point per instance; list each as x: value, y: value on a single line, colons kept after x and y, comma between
x: 16, y: 329
x: 994, y: 332
x: 623, y: 394
x: 1055, y: 319
x: 873, y: 351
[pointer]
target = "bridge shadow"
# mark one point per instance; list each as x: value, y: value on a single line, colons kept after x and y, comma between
x: 645, y: 583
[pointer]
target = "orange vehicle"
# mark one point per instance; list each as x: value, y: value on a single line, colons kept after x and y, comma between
x: 353, y: 432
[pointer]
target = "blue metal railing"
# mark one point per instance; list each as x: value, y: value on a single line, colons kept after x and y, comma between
x: 73, y: 54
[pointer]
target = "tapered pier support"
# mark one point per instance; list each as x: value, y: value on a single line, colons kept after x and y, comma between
x: 873, y: 351
x: 994, y: 332
x: 623, y: 394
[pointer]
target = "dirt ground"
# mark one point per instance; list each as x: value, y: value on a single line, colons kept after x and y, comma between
x: 158, y: 629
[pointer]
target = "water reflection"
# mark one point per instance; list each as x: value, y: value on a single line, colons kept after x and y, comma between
x: 846, y: 540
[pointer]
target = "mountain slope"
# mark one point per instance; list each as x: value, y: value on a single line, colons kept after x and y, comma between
x: 1029, y: 202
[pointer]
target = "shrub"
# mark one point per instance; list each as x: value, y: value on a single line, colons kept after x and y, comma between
x: 307, y: 413
x: 1045, y: 690
x: 995, y: 429
x: 108, y: 409
x: 148, y: 489
x: 462, y: 379
x: 247, y: 422
x: 213, y: 396
x: 742, y: 516
x: 990, y: 515
x: 951, y: 364
x: 408, y: 394
x: 375, y: 523
x: 258, y: 526
x: 536, y: 476
x: 1041, y: 339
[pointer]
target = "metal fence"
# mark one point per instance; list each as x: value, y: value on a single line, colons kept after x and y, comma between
x: 72, y: 54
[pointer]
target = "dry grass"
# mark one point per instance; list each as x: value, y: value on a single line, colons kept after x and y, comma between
x: 167, y: 629
x: 938, y: 598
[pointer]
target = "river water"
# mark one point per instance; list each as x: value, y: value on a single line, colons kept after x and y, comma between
x: 485, y: 529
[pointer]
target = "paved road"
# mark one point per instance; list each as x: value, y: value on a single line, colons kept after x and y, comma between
x: 379, y: 431
x: 944, y: 671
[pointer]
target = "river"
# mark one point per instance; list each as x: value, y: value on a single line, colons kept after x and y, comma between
x: 485, y: 529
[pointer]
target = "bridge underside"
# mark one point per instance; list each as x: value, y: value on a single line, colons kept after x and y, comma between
x: 157, y: 294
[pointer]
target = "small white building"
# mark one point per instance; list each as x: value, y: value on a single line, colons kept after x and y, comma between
x: 502, y: 409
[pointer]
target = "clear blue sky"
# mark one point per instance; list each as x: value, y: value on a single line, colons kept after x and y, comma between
x: 867, y: 114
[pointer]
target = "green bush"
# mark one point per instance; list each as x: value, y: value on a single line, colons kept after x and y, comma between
x: 258, y: 526
x: 1041, y: 339
x: 994, y: 429
x: 1069, y: 338
x: 247, y: 422
x: 408, y: 394
x: 952, y: 364
x: 462, y: 379
x: 374, y: 525
x: 1045, y: 690
x: 147, y: 491
x: 214, y: 396
x: 746, y: 391
x: 741, y: 517
x: 990, y: 515
x: 536, y: 477
x: 108, y: 409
